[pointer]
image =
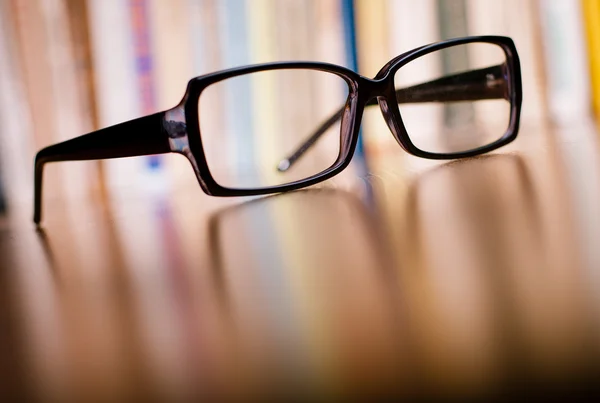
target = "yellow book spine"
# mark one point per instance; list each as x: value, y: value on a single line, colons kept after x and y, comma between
x: 591, y: 12
x: 266, y: 125
x: 373, y: 53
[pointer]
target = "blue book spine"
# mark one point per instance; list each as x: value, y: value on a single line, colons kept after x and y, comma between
x: 349, y: 23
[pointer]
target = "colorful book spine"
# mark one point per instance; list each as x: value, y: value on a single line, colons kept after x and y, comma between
x: 262, y: 48
x: 373, y: 52
x: 372, y: 39
x: 335, y: 29
x: 144, y: 63
x: 591, y: 12
x: 145, y: 70
x: 348, y: 17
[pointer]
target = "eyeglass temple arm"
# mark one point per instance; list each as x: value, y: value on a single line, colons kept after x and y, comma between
x: 142, y: 136
x: 487, y: 83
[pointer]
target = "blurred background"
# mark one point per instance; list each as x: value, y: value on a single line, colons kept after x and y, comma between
x: 68, y: 67
x: 459, y: 278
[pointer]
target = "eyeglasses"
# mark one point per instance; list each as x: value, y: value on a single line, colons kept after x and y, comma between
x: 277, y: 127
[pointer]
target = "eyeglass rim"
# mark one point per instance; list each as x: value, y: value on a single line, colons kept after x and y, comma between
x: 357, y: 85
x: 515, y: 91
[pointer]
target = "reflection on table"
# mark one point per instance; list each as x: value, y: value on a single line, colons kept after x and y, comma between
x: 460, y: 279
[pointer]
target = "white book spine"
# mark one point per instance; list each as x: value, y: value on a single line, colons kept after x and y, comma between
x: 565, y: 60
x: 516, y: 19
x: 16, y: 143
x: 70, y: 116
x: 172, y: 69
x: 413, y: 24
x: 114, y: 67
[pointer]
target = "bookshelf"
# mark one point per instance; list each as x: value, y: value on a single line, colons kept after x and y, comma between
x: 71, y: 66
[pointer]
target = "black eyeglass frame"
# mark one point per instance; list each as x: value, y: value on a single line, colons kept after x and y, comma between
x: 178, y: 130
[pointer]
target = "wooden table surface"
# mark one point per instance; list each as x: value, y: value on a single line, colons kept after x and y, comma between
x: 422, y: 279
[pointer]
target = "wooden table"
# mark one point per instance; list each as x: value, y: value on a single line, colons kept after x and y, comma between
x: 465, y: 279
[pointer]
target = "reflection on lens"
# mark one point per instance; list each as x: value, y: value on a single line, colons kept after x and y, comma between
x: 457, y: 121
x: 249, y: 124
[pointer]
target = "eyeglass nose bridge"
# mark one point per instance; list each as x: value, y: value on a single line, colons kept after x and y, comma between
x: 392, y: 118
x: 374, y: 87
x: 383, y: 92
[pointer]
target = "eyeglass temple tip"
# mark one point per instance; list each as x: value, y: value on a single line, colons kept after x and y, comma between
x: 283, y: 165
x: 141, y: 136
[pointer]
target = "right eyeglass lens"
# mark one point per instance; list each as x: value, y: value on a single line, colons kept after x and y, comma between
x: 455, y: 99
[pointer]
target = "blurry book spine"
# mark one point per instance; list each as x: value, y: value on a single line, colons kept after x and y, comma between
x: 47, y: 60
x: 172, y: 55
x: 171, y: 50
x: 414, y: 24
x: 373, y: 51
x: 237, y: 116
x: 205, y: 38
x: 115, y: 81
x: 330, y: 31
x: 70, y: 119
x: 262, y: 43
x: 262, y: 34
x: 33, y: 60
x: 294, y: 35
x: 591, y: 12
x: 452, y: 17
x: 16, y: 136
x: 524, y: 27
x: 33, y: 56
x: 80, y: 32
x: 142, y: 48
x: 196, y: 13
x: 348, y: 17
x: 371, y: 35
x: 145, y: 70
x: 293, y: 39
x: 206, y: 50
x: 517, y: 19
x: 336, y: 43
x: 565, y: 60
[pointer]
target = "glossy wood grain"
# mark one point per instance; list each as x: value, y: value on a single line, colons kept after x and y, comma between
x: 472, y: 278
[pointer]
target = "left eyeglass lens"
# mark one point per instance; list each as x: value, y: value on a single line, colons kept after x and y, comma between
x: 249, y: 124
x: 469, y: 110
